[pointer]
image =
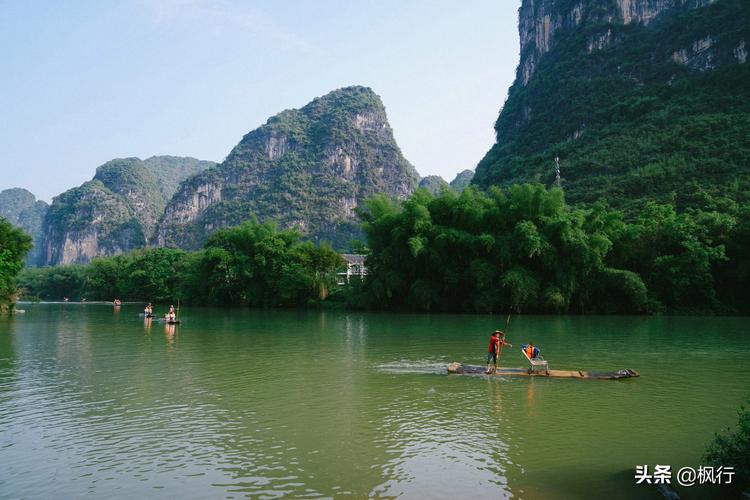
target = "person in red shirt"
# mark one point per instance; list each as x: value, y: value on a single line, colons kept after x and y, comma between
x: 497, y: 339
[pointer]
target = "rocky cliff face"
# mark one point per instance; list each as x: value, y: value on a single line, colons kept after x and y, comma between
x: 307, y: 168
x: 540, y: 21
x: 462, y: 180
x: 90, y: 221
x: 634, y: 96
x: 434, y: 184
x: 23, y: 210
x: 129, y: 178
x: 115, y: 212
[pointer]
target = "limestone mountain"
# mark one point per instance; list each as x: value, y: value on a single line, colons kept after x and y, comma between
x: 116, y: 211
x: 23, y: 210
x: 462, y: 180
x: 90, y: 221
x: 170, y: 171
x: 640, y: 99
x: 434, y: 184
x: 133, y: 181
x: 307, y: 168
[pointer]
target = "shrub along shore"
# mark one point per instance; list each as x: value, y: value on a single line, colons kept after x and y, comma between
x: 520, y: 248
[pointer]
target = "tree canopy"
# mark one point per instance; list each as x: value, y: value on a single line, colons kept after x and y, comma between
x: 14, y: 245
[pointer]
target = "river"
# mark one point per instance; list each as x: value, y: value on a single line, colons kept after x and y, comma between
x: 309, y: 404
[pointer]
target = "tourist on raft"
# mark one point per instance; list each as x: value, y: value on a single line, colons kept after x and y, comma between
x: 531, y: 351
x: 171, y: 314
x: 497, y: 339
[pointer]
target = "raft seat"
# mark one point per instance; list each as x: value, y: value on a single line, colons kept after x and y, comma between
x: 536, y: 364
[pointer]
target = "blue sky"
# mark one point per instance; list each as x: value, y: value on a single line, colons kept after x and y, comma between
x: 85, y: 82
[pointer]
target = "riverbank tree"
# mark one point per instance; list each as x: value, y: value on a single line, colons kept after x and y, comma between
x: 521, y: 248
x: 14, y: 245
x: 253, y: 264
x: 524, y: 249
x: 732, y: 449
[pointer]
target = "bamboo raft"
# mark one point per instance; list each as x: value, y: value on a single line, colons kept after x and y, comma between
x: 461, y: 369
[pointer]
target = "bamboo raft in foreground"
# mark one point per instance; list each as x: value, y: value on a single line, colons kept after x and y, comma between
x: 461, y: 369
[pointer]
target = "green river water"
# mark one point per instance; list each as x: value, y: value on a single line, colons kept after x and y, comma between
x: 309, y: 404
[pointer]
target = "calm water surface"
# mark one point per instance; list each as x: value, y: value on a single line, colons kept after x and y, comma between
x: 236, y: 403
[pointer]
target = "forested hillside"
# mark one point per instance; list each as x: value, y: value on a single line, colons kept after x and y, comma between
x: 307, y: 168
x: 118, y: 210
x: 641, y: 101
x: 23, y: 210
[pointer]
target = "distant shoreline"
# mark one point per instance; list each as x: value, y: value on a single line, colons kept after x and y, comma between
x: 78, y: 302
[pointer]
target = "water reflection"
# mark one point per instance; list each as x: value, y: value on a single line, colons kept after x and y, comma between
x: 169, y: 331
x: 530, y: 397
x: 298, y: 404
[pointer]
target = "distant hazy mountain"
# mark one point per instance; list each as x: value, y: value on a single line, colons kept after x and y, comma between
x: 434, y: 184
x: 462, y: 180
x: 306, y: 168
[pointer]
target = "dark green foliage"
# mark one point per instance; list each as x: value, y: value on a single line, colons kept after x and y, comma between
x: 53, y: 283
x: 522, y: 249
x: 257, y: 265
x: 653, y: 120
x: 732, y: 449
x: 14, y: 244
x: 628, y: 122
x: 253, y: 264
x: 676, y: 254
x: 732, y: 275
x: 156, y: 274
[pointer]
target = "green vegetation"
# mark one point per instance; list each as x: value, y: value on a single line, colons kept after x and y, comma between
x: 652, y: 121
x: 525, y: 249
x: 130, y: 179
x: 732, y: 449
x: 23, y: 210
x: 257, y: 265
x: 305, y: 168
x: 629, y: 123
x: 14, y: 244
x: 90, y: 209
x: 170, y: 171
x: 253, y: 265
x: 117, y: 211
x: 522, y: 248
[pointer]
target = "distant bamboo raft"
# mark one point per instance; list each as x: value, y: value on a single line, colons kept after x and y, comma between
x: 462, y: 369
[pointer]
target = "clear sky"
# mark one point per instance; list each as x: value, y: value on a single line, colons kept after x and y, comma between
x: 87, y: 81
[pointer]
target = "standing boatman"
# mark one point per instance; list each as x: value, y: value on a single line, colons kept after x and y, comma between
x: 497, y: 341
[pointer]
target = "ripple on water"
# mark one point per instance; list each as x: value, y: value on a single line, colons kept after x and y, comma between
x: 239, y: 403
